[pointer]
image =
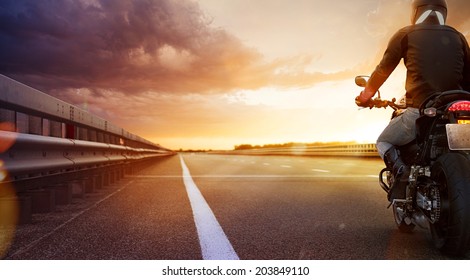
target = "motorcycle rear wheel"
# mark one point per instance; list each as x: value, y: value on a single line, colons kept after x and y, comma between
x: 451, y: 233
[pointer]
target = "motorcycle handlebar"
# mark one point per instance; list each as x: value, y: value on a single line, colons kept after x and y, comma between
x: 379, y: 103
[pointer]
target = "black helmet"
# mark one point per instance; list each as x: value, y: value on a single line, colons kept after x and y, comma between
x: 421, y: 6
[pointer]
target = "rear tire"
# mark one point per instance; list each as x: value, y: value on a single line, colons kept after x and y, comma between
x: 451, y: 233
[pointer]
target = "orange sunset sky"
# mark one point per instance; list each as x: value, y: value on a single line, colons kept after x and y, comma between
x: 212, y: 74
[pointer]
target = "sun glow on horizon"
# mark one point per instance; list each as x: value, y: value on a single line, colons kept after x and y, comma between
x: 325, y: 112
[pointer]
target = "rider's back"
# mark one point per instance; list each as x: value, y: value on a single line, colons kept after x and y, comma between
x: 435, y: 57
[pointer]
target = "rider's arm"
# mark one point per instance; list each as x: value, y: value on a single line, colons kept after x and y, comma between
x: 393, y: 54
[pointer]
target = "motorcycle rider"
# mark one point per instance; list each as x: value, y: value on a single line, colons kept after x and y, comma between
x: 437, y: 59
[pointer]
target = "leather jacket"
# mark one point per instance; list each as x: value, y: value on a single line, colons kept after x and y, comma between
x: 437, y: 58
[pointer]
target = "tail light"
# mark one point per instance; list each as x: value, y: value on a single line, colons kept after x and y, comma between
x: 460, y: 106
x: 461, y: 111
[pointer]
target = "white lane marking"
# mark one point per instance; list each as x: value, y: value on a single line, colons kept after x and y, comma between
x: 267, y: 164
x: 321, y: 170
x: 214, y: 243
x: 286, y: 166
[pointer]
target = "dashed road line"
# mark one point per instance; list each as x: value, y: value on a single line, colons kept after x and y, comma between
x: 321, y: 170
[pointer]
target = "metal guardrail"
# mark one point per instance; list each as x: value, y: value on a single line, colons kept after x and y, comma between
x: 34, y: 112
x: 32, y: 153
x: 356, y: 150
x: 42, y: 136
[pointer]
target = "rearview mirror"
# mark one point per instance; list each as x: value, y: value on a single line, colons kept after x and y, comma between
x: 361, y: 81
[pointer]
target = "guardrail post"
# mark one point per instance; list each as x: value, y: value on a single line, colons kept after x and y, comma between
x: 106, y: 179
x: 98, y: 181
x: 112, y: 175
x: 8, y: 116
x: 78, y: 190
x: 63, y: 194
x: 100, y: 137
x: 89, y: 183
x: 35, y: 125
x: 106, y: 173
x: 121, y: 171
x: 92, y: 135
x: 22, y: 123
x: 55, y: 129
x: 70, y: 131
x: 82, y: 133
x: 42, y: 200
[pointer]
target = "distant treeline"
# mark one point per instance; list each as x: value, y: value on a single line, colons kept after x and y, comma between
x: 289, y: 145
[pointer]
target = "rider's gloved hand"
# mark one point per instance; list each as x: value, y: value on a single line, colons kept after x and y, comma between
x: 361, y: 103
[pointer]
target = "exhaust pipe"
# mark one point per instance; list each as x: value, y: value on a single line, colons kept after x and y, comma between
x: 420, y: 220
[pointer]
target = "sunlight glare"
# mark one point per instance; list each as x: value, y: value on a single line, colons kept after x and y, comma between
x: 9, y: 217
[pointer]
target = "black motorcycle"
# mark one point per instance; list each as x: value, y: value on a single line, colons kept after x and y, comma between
x: 438, y: 189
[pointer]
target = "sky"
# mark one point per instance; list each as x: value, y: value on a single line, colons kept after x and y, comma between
x: 212, y: 74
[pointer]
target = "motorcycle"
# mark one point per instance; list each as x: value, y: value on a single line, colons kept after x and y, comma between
x: 438, y: 188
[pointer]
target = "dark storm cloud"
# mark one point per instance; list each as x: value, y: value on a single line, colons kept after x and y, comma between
x: 135, y: 46
x: 125, y: 45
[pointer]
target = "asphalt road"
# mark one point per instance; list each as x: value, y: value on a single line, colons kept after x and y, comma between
x: 264, y: 207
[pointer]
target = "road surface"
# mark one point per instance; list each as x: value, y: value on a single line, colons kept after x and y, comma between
x: 203, y: 206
